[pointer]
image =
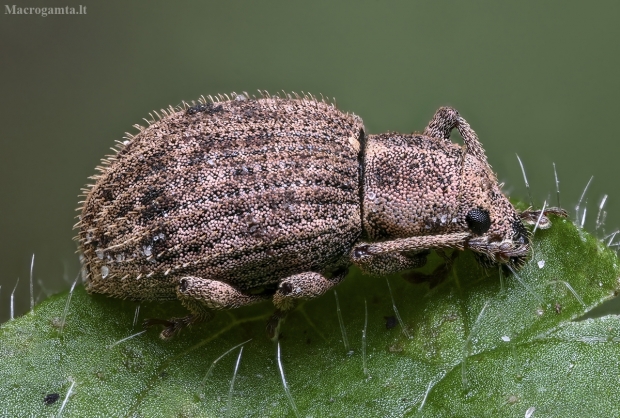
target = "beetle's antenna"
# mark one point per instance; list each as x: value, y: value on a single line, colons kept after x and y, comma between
x: 345, y: 340
x: 557, y: 185
x: 232, y: 383
x: 579, y: 203
x: 400, y: 321
x: 286, y: 388
x: 527, y: 185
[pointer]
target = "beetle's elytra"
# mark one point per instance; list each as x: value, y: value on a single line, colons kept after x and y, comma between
x: 230, y: 202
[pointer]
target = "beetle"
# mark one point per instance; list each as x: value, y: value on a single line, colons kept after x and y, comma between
x: 233, y: 201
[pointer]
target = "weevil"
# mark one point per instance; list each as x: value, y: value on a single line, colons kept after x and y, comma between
x: 233, y: 201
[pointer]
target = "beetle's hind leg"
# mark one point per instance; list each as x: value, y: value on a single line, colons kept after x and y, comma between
x: 299, y: 286
x: 201, y: 297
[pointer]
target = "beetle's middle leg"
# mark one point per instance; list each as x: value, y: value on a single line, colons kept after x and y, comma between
x: 201, y: 297
x: 299, y: 286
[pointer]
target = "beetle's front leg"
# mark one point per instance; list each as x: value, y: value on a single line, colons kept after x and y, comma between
x: 383, y: 264
x: 299, y: 286
x: 404, y: 253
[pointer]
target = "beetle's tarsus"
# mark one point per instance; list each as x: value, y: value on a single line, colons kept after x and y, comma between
x: 531, y: 216
x: 173, y: 326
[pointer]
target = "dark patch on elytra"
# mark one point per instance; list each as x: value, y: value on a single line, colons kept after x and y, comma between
x: 107, y: 194
x: 158, y: 207
x: 151, y: 194
x: 208, y: 108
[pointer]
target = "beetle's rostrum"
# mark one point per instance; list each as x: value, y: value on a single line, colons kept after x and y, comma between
x: 229, y: 202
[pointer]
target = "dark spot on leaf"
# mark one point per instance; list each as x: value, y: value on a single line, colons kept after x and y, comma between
x: 390, y: 322
x: 51, y: 398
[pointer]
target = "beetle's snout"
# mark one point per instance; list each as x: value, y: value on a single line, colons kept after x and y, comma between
x: 521, y: 235
x: 513, y: 249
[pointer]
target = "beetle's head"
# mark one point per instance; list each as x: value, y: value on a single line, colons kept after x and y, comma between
x: 498, y: 232
x: 415, y: 185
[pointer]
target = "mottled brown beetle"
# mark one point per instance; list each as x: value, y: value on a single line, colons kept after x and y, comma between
x: 230, y: 202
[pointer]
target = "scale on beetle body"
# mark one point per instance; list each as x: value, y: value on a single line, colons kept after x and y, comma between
x: 233, y: 201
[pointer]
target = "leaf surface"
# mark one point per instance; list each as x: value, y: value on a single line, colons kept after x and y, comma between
x: 474, y: 344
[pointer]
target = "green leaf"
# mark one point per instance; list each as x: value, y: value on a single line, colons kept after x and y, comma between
x: 480, y: 346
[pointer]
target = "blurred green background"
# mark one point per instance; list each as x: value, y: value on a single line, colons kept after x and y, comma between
x: 540, y: 79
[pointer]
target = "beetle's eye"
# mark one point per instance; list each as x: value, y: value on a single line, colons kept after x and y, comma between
x: 478, y: 220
